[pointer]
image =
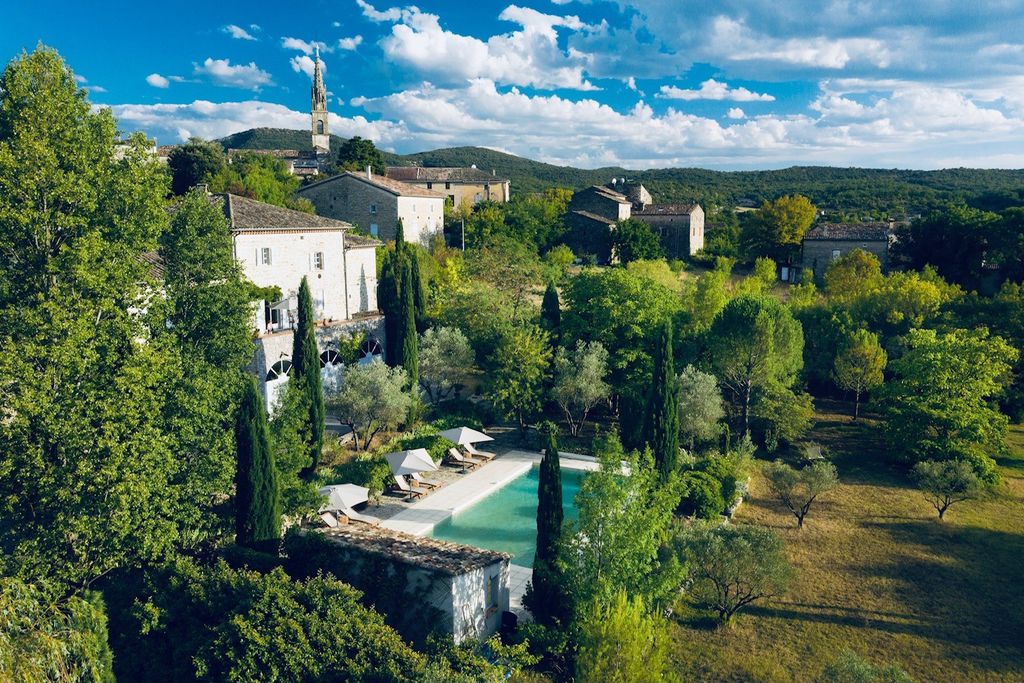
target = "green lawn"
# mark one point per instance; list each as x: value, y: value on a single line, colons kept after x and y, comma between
x: 877, y: 573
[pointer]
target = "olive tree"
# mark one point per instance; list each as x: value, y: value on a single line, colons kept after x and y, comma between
x: 579, y: 381
x: 445, y: 359
x: 798, y: 489
x: 946, y: 482
x: 732, y: 566
x: 370, y: 398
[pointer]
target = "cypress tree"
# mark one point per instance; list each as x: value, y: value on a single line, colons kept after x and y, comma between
x: 306, y: 372
x: 409, y: 349
x: 661, y: 424
x: 551, y: 314
x: 257, y: 499
x: 387, y: 302
x: 418, y: 297
x: 546, y: 599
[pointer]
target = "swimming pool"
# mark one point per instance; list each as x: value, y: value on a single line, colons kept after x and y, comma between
x: 506, y: 520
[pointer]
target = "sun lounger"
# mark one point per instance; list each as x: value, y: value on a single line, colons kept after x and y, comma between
x: 463, y: 460
x: 329, y: 519
x: 485, y: 455
x: 429, y: 483
x: 404, y: 486
x: 354, y: 516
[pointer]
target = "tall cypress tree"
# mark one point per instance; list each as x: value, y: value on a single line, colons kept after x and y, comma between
x: 306, y: 373
x: 661, y: 423
x: 387, y: 302
x: 409, y: 350
x: 257, y: 499
x: 418, y: 296
x: 547, y: 600
x: 551, y: 314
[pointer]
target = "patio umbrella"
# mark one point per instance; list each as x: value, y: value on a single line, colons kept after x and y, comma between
x: 341, y: 496
x: 464, y: 435
x: 410, y: 462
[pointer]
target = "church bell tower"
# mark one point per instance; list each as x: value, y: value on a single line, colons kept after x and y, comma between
x: 321, y: 135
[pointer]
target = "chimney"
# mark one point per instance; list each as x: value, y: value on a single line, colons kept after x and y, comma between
x: 369, y: 172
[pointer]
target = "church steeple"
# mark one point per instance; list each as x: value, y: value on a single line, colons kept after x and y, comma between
x: 321, y: 136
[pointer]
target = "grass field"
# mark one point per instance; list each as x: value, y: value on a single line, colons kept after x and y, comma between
x: 879, y: 574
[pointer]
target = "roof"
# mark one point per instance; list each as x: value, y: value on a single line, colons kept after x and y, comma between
x: 353, y: 241
x: 279, y: 153
x: 452, y: 559
x: 865, y: 232
x: 248, y: 214
x: 666, y: 210
x: 609, y: 194
x: 442, y: 174
x: 155, y: 265
x: 395, y: 187
x: 594, y: 217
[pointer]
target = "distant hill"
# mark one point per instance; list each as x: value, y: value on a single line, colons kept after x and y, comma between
x: 856, y: 192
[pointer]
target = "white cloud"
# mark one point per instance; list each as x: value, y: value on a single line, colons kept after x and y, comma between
x: 81, y: 79
x: 530, y: 56
x: 736, y: 113
x: 215, y: 120
x: 713, y: 90
x: 336, y: 24
x: 96, y: 88
x: 631, y: 83
x: 305, y: 46
x: 222, y: 72
x: 305, y: 64
x: 371, y: 13
x: 239, y: 33
x: 350, y: 43
x: 157, y: 81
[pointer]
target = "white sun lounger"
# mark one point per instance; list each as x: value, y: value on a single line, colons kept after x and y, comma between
x: 486, y: 455
x: 354, y: 516
x: 429, y: 483
x: 406, y: 487
x: 329, y: 519
x: 463, y: 460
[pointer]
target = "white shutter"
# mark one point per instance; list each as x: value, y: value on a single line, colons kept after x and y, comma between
x: 256, y: 261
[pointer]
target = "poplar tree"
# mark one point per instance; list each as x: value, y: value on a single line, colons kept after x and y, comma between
x: 257, y: 503
x: 306, y: 373
x: 546, y: 599
x: 661, y: 426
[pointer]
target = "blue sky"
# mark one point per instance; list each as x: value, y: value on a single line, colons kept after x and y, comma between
x: 639, y: 83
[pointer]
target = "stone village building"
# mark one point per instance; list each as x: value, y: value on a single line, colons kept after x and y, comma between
x: 276, y: 247
x: 461, y: 186
x: 594, y: 212
x: 826, y: 242
x: 375, y: 203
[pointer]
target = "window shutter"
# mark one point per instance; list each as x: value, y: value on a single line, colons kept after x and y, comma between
x: 257, y: 259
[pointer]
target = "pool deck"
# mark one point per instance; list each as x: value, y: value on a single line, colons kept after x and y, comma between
x: 423, y: 515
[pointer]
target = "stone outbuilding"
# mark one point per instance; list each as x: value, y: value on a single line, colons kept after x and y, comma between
x: 679, y: 226
x: 464, y: 589
x: 375, y: 203
x: 826, y: 242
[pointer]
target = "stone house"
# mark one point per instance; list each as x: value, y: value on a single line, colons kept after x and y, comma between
x: 375, y: 203
x: 461, y: 590
x: 461, y: 186
x: 826, y: 242
x: 680, y: 227
x: 275, y: 248
x: 594, y: 212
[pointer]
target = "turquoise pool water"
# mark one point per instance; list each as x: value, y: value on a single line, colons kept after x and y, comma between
x: 506, y: 520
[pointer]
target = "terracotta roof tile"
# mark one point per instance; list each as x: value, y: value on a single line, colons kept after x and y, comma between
x: 871, y: 232
x: 248, y: 214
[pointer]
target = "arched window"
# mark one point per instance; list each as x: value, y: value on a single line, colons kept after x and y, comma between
x: 320, y: 127
x: 330, y: 357
x: 371, y: 347
x: 281, y: 368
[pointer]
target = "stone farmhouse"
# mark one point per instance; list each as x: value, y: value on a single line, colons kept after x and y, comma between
x: 375, y: 204
x: 276, y: 247
x: 461, y: 590
x: 594, y: 212
x: 461, y: 186
x: 826, y: 242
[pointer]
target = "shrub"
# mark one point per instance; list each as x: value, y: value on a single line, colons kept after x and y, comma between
x: 371, y: 471
x: 702, y: 495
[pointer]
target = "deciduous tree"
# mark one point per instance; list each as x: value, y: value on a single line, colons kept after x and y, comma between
x: 621, y: 642
x: 356, y: 153
x: 633, y: 240
x: 775, y: 229
x: 516, y: 383
x: 859, y: 366
x: 853, y: 275
x: 193, y: 163
x: 446, y: 358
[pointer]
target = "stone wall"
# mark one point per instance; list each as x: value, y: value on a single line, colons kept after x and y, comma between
x: 817, y: 254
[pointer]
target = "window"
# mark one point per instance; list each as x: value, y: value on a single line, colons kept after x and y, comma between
x: 430, y: 186
x: 374, y: 231
x: 265, y: 256
x: 447, y: 186
x: 835, y: 254
x: 370, y: 347
x: 281, y: 368
x: 330, y: 357
x: 318, y: 260
x: 492, y: 592
x: 373, y: 208
x: 320, y: 127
